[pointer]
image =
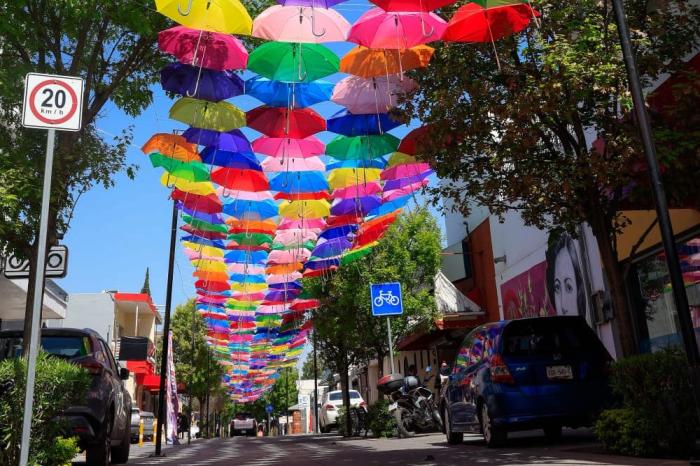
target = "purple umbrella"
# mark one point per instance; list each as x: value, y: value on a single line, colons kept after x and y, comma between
x: 401, y: 182
x: 295, y: 285
x: 200, y: 83
x: 331, y: 248
x: 310, y: 3
x: 232, y: 141
x: 282, y: 296
x: 359, y: 206
x: 215, y: 219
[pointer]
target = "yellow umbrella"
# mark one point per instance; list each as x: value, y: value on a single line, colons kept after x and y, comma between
x: 202, y: 188
x: 344, y: 177
x: 219, y: 116
x: 248, y: 287
x: 209, y: 265
x: 209, y: 251
x: 305, y: 209
x: 399, y: 158
x: 227, y: 16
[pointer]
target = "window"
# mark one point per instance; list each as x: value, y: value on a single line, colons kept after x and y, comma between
x: 68, y: 347
x: 109, y: 360
x: 538, y: 337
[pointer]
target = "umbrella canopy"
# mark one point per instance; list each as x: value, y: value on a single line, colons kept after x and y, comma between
x: 362, y: 147
x: 232, y: 141
x: 368, y: 63
x: 223, y: 158
x: 207, y: 203
x: 300, y: 24
x: 379, y: 29
x: 200, y: 83
x: 202, y: 188
x: 171, y: 145
x: 401, y: 182
x: 344, y: 177
x: 204, y: 49
x: 290, y: 62
x: 357, y: 190
x: 392, y: 194
x: 259, y: 210
x: 373, y: 95
x: 337, y: 232
x: 248, y: 226
x: 304, y: 209
x: 296, y: 182
x: 349, y: 124
x: 331, y: 248
x: 359, y: 206
x: 291, y: 95
x: 289, y: 147
x: 218, y: 116
x: 282, y: 122
x: 474, y: 23
x: 191, y: 171
x: 412, y: 5
x: 291, y: 256
x: 292, y: 164
x: 234, y: 178
x: 360, y: 163
x: 311, y: 224
x: 412, y: 143
x: 227, y: 16
x: 404, y: 171
x: 295, y: 236
x: 243, y: 195
x: 399, y: 158
x: 313, y: 3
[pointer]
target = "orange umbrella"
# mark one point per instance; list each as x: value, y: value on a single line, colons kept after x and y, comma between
x: 284, y: 268
x: 371, y: 63
x: 211, y: 275
x: 173, y: 146
x: 251, y: 226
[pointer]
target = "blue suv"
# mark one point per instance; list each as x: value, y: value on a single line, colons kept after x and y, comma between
x: 536, y: 373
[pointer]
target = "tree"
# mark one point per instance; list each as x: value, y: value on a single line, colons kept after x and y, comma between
x: 518, y: 137
x: 146, y: 288
x: 283, y: 394
x: 322, y: 371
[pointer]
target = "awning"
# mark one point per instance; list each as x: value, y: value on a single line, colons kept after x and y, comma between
x: 450, y: 300
x: 151, y: 382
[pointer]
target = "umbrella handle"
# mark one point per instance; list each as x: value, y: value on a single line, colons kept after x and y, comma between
x: 196, y: 84
x: 313, y: 23
x: 422, y: 26
x: 188, y: 11
x: 301, y: 74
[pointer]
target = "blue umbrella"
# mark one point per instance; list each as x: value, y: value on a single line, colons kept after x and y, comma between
x: 200, y: 83
x: 299, y: 182
x: 285, y: 286
x: 224, y: 158
x: 246, y: 257
x: 209, y: 218
x: 322, y: 264
x: 358, y: 206
x: 241, y: 208
x: 290, y: 95
x: 281, y: 296
x: 390, y: 206
x: 204, y: 241
x: 244, y: 278
x: 331, y: 248
x: 233, y: 141
x: 360, y: 163
x: 337, y: 232
x: 349, y: 124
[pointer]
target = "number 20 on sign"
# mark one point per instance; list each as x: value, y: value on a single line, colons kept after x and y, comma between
x: 52, y: 101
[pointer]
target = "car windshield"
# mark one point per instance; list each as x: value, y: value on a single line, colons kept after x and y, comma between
x: 337, y: 396
x: 546, y: 336
x: 63, y: 346
x: 243, y: 416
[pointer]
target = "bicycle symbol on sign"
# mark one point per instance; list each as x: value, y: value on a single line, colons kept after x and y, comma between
x: 386, y: 297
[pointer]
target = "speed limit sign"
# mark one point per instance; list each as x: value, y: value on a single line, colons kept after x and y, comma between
x: 52, y: 101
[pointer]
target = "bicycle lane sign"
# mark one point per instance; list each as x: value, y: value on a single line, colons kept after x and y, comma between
x: 386, y: 299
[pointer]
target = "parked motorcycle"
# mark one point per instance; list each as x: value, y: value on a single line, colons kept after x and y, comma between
x: 412, y: 405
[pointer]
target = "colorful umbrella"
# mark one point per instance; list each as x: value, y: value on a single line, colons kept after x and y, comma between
x: 200, y: 83
x: 288, y: 62
x: 474, y: 23
x: 173, y: 146
x: 362, y: 147
x: 300, y: 24
x: 316, y: 209
x: 288, y: 147
x: 207, y: 203
x: 234, y: 178
x: 250, y: 209
x: 218, y: 116
x: 349, y: 124
x: 412, y: 5
x: 191, y: 171
x: 204, y: 49
x: 344, y: 177
x: 359, y: 206
x: 379, y: 29
x: 282, y: 122
x: 363, y: 189
x: 227, y: 16
x: 291, y: 95
x: 369, y: 63
x: 295, y: 182
x: 232, y: 141
x: 374, y: 95
x: 292, y: 164
x: 222, y: 158
x: 202, y: 188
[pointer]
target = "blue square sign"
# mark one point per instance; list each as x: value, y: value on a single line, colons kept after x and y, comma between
x: 386, y: 299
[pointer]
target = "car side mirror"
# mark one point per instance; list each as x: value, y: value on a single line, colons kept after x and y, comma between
x: 124, y: 373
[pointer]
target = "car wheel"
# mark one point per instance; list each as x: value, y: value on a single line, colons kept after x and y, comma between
x: 493, y: 435
x: 98, y: 454
x: 553, y: 433
x: 453, y: 438
x: 403, y: 422
x: 120, y: 453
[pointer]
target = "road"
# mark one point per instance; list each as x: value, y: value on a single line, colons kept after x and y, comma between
x: 423, y: 450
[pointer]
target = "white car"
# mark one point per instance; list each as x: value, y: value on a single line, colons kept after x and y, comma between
x: 330, y: 403
x: 244, y: 424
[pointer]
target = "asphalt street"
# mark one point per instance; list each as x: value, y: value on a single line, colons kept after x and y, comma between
x: 527, y: 448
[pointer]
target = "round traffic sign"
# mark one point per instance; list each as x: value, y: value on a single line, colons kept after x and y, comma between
x: 53, y: 102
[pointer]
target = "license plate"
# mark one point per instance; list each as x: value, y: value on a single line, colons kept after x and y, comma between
x: 393, y: 406
x: 560, y: 372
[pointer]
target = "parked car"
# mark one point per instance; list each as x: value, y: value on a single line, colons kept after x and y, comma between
x: 330, y: 403
x: 536, y: 373
x: 244, y: 424
x: 102, y: 422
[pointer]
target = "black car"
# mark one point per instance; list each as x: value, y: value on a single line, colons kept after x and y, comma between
x: 102, y: 422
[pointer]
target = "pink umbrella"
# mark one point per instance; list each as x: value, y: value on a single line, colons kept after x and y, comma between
x: 403, y: 191
x: 210, y: 50
x: 374, y: 95
x: 378, y: 29
x: 291, y: 256
x: 300, y: 24
x: 248, y: 297
x: 243, y: 195
x: 360, y: 190
x: 313, y: 224
x: 404, y: 171
x: 194, y: 255
x: 288, y: 147
x: 271, y: 308
x: 283, y: 278
x: 292, y: 164
x: 250, y: 269
x: 295, y: 236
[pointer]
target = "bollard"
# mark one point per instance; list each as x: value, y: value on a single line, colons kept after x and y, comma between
x: 155, y: 423
x: 141, y: 433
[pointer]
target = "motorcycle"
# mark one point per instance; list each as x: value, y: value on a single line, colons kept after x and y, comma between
x: 413, y: 405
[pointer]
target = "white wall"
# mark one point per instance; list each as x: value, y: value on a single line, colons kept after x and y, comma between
x: 91, y: 310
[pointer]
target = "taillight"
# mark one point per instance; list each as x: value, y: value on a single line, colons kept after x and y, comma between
x: 93, y: 366
x: 330, y: 407
x: 499, y: 370
x: 362, y: 404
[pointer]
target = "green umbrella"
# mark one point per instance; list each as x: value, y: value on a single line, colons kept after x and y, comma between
x: 362, y: 147
x: 354, y: 255
x: 190, y: 171
x: 284, y: 61
x: 204, y: 226
x: 495, y: 3
x: 285, y: 247
x: 217, y: 116
x: 250, y: 239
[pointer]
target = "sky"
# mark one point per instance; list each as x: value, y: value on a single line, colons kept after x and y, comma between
x: 117, y: 233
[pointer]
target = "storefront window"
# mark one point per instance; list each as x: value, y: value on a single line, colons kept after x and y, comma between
x: 659, y: 326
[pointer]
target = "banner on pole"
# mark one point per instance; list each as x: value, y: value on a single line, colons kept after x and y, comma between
x: 171, y: 396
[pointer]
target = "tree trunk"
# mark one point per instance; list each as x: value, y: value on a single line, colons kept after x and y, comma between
x: 608, y: 256
x: 345, y: 380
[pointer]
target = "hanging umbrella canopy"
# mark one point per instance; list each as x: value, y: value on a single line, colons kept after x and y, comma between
x: 250, y: 238
x: 281, y: 122
x: 171, y: 145
x: 207, y: 203
x: 404, y: 171
x: 253, y: 226
x: 253, y: 210
x: 356, y: 254
x: 379, y: 29
x: 246, y: 180
x: 362, y: 147
x: 208, y: 50
x: 369, y: 63
x: 305, y: 196
x: 392, y: 194
x: 289, y: 147
x: 203, y: 188
x: 412, y: 5
x: 344, y: 177
x: 412, y: 142
x: 191, y: 171
x: 243, y: 195
x: 291, y: 256
x: 246, y: 257
x: 283, y: 278
x: 400, y: 158
x: 200, y: 83
x: 311, y: 224
x: 295, y: 236
x: 292, y: 164
x: 215, y: 218
x: 337, y: 232
x: 223, y: 158
x: 474, y: 23
x: 389, y: 207
x: 289, y: 62
x: 331, y: 248
x: 371, y: 95
x: 304, y: 209
x: 227, y: 16
x: 357, y: 190
x: 359, y: 206
x: 292, y: 95
x: 300, y: 24
x: 349, y: 124
x: 218, y: 116
x: 211, y: 285
x: 401, y: 182
x: 359, y: 163
x: 296, y: 182
x: 232, y: 141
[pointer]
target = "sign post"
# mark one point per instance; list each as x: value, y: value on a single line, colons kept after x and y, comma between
x: 387, y: 301
x: 53, y: 103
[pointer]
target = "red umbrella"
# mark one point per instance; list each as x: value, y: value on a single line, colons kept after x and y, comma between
x: 473, y: 23
x: 212, y: 285
x: 411, y: 5
x: 305, y: 304
x: 282, y: 122
x: 239, y: 179
x: 208, y: 204
x: 303, y: 196
x: 412, y: 143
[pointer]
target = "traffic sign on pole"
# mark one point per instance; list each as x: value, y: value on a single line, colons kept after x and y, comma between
x: 386, y: 299
x: 269, y: 408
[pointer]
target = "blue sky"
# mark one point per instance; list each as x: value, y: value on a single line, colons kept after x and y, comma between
x: 117, y: 233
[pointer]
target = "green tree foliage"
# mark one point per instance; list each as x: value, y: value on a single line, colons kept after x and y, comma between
x: 519, y: 137
x: 322, y: 370
x: 59, y: 384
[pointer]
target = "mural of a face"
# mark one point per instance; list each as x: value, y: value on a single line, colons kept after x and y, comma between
x: 565, y: 284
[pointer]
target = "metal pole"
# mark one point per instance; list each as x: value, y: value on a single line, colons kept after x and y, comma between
x: 286, y: 401
x: 189, y: 431
x: 391, y: 346
x: 674, y: 268
x: 166, y: 332
x: 34, y: 334
x: 315, y: 386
